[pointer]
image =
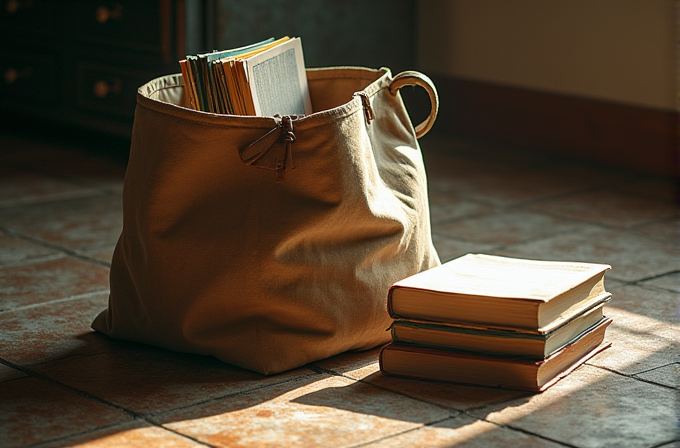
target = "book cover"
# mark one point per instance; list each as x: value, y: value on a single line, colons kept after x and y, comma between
x: 495, y: 371
x: 500, y: 292
x: 496, y: 342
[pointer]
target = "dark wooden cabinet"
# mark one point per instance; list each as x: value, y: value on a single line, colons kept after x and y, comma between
x: 81, y: 62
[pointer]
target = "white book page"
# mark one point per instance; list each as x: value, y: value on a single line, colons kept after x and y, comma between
x: 495, y: 276
x: 278, y: 80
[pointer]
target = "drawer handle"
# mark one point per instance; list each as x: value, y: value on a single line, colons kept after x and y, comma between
x: 12, y: 6
x: 12, y: 74
x: 104, y: 14
x: 102, y: 88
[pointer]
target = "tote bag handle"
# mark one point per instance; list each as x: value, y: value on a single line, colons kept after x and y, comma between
x: 414, y: 78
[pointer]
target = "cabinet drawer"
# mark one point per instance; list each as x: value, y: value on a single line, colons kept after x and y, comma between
x: 112, y: 90
x: 33, y: 78
x: 29, y: 18
x: 132, y: 25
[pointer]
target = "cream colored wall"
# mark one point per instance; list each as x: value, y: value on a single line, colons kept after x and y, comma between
x: 617, y: 50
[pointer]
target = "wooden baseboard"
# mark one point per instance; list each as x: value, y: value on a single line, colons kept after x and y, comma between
x: 618, y: 135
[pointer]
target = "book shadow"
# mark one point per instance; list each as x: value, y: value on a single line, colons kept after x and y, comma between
x: 405, y: 398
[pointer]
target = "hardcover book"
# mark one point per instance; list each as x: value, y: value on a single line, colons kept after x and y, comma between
x: 498, y: 371
x: 500, y: 293
x: 496, y: 342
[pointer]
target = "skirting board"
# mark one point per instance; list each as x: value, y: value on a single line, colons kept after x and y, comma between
x: 644, y: 140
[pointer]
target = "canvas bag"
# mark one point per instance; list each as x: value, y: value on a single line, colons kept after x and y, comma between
x: 271, y: 242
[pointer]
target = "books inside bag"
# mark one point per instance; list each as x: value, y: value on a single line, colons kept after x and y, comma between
x: 265, y: 78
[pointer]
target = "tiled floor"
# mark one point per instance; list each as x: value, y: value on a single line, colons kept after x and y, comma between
x: 63, y: 385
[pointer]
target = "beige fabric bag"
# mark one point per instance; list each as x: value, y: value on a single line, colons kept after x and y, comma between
x: 216, y: 257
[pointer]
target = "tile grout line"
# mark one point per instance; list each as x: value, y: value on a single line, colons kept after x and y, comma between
x: 63, y: 250
x: 657, y: 367
x: 418, y: 399
x: 666, y: 443
x: 503, y: 246
x: 111, y: 426
x: 631, y: 229
x: 33, y: 260
x: 84, y: 295
x: 524, y: 204
x: 186, y: 436
x: 397, y: 434
x: 40, y: 376
x: 524, y: 431
x: 78, y: 434
x: 633, y: 376
x: 84, y: 193
x: 437, y: 405
x: 152, y: 415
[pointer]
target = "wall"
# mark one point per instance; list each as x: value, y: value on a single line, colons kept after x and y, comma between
x: 622, y: 51
x: 372, y: 33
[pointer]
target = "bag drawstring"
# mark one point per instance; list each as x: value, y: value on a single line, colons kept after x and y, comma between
x: 260, y: 155
x: 287, y: 136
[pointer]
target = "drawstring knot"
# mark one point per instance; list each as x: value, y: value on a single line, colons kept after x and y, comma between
x: 261, y: 153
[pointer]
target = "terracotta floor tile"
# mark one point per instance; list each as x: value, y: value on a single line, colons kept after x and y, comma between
x: 316, y: 411
x: 667, y: 231
x: 15, y: 250
x: 450, y: 248
x: 452, y: 396
x: 30, y: 155
x: 364, y: 367
x: 630, y: 354
x: 35, y: 411
x: 19, y: 187
x: 632, y: 257
x: 350, y: 362
x: 53, y: 331
x: 648, y: 310
x: 50, y: 280
x: 103, y: 254
x: 438, y: 146
x: 8, y: 373
x: 506, y: 228
x: 464, y: 432
x: 507, y: 188
x: 593, y: 408
x: 75, y: 224
x: 148, y: 380
x: 668, y: 375
x: 484, y: 198
x: 135, y: 434
x: 665, y: 189
x: 99, y: 172
x: 609, y: 208
x: 670, y: 282
x: 444, y: 207
x: 643, y: 332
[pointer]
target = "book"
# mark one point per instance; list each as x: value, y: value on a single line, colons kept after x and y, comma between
x: 500, y: 292
x: 198, y: 76
x: 497, y: 371
x: 266, y: 78
x: 275, y: 81
x: 497, y: 342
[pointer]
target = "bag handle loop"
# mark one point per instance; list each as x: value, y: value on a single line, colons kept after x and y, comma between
x: 414, y: 78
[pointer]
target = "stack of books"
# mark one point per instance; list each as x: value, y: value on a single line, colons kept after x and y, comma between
x: 497, y: 321
x: 265, y: 78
